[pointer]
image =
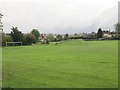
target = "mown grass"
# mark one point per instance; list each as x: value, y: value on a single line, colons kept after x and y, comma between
x: 72, y: 63
x: 0, y: 67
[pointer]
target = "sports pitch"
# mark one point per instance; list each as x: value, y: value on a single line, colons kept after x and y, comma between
x: 72, y: 63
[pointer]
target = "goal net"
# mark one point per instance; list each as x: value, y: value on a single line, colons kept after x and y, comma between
x: 13, y: 43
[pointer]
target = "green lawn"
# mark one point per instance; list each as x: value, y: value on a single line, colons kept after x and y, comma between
x: 0, y: 67
x: 72, y: 63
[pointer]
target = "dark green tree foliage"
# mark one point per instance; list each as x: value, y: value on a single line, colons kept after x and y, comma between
x: 99, y: 33
x: 51, y: 37
x: 93, y: 35
x: 6, y: 38
x: 36, y: 33
x: 16, y: 35
x: 29, y: 39
x: 47, y: 41
x: 66, y: 36
x: 117, y: 27
x: 59, y: 37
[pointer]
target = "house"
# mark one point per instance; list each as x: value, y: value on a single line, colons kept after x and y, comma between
x: 107, y: 34
x: 43, y: 36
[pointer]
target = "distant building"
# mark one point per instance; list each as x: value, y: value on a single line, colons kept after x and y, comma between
x: 43, y: 36
x: 107, y: 34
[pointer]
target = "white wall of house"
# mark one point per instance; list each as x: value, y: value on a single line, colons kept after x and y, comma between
x: 107, y: 36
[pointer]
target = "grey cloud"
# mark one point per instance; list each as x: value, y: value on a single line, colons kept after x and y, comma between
x: 57, y: 16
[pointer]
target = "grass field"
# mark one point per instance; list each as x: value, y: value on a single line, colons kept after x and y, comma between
x: 0, y: 67
x: 72, y: 63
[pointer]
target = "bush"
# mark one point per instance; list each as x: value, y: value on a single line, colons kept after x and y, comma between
x: 59, y: 37
x: 51, y: 37
x: 6, y: 38
x: 45, y: 41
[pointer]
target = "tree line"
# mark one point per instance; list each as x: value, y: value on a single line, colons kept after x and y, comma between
x: 18, y: 36
x: 34, y: 36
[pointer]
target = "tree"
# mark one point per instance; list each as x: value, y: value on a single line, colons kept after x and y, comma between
x: 16, y: 35
x: 36, y: 33
x: 59, y: 37
x: 0, y: 38
x: 51, y: 37
x: 29, y: 39
x: 99, y: 33
x: 117, y: 27
x: 66, y: 36
x: 47, y: 41
x: 93, y: 35
x: 6, y: 38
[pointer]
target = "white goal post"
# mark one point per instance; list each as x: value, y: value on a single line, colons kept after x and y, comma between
x: 13, y: 43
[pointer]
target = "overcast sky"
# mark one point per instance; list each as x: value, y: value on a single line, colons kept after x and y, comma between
x: 59, y: 16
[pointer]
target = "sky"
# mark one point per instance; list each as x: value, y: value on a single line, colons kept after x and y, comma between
x: 59, y: 16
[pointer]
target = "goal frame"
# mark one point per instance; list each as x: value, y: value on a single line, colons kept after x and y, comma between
x: 13, y: 43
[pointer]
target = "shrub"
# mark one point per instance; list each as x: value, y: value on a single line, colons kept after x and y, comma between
x: 6, y: 38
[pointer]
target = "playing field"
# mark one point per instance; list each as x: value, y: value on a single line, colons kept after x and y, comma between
x: 72, y: 63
